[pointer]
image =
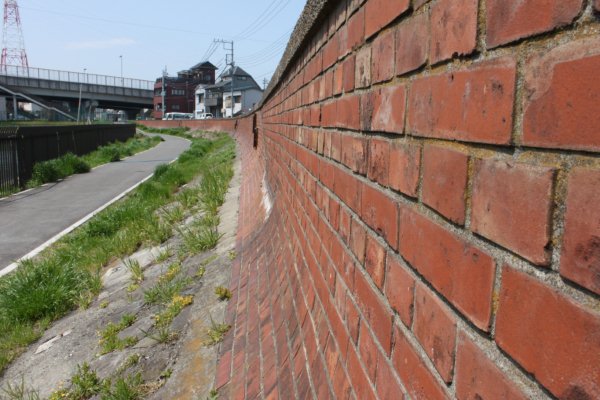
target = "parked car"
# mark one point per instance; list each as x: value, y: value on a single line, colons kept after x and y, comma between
x: 204, y: 116
x: 178, y: 115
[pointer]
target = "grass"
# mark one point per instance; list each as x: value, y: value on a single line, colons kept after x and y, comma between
x: 134, y: 268
x: 86, y: 384
x: 180, y: 131
x: 223, y: 293
x: 52, y: 285
x: 69, y: 164
x: 216, y: 332
x: 8, y: 190
x: 109, y: 336
x: 47, y: 288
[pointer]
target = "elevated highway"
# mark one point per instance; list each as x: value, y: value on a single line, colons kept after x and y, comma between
x: 65, y: 86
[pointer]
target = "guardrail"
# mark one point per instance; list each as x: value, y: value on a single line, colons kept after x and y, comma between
x: 22, y: 147
x: 76, y: 77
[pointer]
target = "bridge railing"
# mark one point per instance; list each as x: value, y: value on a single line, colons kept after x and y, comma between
x: 75, y: 77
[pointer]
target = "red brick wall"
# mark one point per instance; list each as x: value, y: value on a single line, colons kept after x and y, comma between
x: 434, y: 171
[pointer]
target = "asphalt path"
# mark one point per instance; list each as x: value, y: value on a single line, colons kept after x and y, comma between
x: 29, y: 219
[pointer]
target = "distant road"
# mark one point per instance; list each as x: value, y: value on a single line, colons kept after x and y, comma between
x: 29, y: 219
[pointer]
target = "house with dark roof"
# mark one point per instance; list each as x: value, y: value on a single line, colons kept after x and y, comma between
x: 216, y: 98
x: 179, y: 90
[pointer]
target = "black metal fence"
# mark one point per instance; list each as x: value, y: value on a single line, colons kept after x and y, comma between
x: 22, y: 147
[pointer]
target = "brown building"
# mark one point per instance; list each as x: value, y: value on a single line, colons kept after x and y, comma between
x: 179, y: 90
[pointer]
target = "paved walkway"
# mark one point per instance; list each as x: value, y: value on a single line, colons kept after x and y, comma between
x: 29, y: 219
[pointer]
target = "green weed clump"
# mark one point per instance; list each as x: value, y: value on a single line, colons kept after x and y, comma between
x: 65, y: 275
x: 223, y: 293
x: 58, y: 168
x: 109, y: 336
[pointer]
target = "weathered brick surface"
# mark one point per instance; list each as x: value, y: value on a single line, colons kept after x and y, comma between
x: 561, y: 90
x: 509, y: 20
x: 538, y: 327
x: 405, y: 163
x: 453, y: 28
x: 512, y: 205
x: 479, y: 377
x: 435, y: 328
x: 452, y: 266
x: 445, y: 181
x: 379, y: 13
x: 382, y: 57
x: 459, y: 104
x: 412, y: 44
x: 580, y: 259
x: 373, y: 274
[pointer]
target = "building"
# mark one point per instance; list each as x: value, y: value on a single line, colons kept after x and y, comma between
x: 216, y: 98
x: 179, y: 90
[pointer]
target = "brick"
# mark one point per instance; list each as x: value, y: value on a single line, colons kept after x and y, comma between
x: 445, y: 181
x: 383, y: 109
x: 347, y: 188
x: 368, y: 352
x: 380, y: 213
x: 338, y: 80
x: 362, y: 72
x: 509, y: 20
x: 356, y: 29
x: 374, y: 311
x: 462, y: 273
x: 435, y: 329
x: 580, y: 257
x: 550, y: 336
x: 386, y: 382
x: 358, y: 240
x: 456, y: 105
x: 348, y: 112
x: 379, y: 13
x: 405, y: 164
x: 349, y: 66
x: 477, y: 377
x: 358, y: 378
x: 379, y: 161
x: 354, y: 153
x: 400, y: 289
x: 414, y: 374
x: 453, y: 29
x: 330, y: 52
x: 382, y: 57
x: 328, y: 114
x: 512, y: 205
x: 375, y: 261
x: 560, y: 108
x: 412, y: 43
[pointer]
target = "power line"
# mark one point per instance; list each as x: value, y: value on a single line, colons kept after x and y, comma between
x: 263, y: 19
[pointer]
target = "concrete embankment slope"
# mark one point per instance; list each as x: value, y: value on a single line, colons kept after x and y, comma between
x: 420, y: 215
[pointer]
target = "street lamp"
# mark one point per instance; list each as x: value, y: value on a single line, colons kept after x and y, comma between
x: 80, y: 87
x: 121, y: 57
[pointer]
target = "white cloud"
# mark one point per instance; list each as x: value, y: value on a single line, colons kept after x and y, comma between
x: 101, y: 44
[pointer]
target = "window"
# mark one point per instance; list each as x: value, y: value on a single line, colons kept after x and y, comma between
x: 175, y: 107
x: 237, y: 99
x: 206, y: 78
x: 200, y: 98
x: 158, y: 107
x: 177, y: 92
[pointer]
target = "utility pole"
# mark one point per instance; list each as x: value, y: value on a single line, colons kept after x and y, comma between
x: 163, y: 92
x: 229, y: 61
x: 79, y: 107
x: 265, y: 83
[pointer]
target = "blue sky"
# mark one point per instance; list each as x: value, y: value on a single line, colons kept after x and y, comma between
x: 72, y: 35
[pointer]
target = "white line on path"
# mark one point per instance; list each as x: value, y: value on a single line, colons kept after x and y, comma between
x: 71, y: 228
